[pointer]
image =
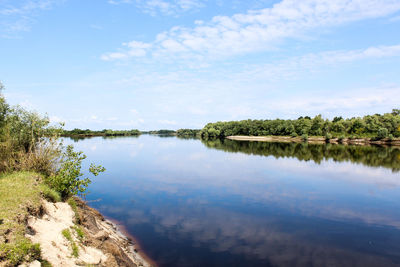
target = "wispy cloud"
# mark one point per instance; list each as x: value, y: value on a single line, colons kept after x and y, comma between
x: 168, y: 122
x: 294, y: 67
x: 18, y: 16
x: 163, y: 7
x: 256, y: 30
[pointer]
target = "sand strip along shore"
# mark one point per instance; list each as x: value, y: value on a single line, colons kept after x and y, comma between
x: 317, y: 140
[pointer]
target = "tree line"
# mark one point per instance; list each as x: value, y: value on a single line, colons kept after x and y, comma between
x: 372, y: 156
x: 371, y: 126
x: 105, y: 132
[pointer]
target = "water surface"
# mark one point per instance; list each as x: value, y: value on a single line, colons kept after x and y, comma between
x: 233, y: 203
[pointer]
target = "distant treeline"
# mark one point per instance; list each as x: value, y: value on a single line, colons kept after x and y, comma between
x: 188, y: 132
x: 179, y: 133
x: 373, y: 156
x: 371, y: 126
x: 105, y: 132
x: 161, y: 132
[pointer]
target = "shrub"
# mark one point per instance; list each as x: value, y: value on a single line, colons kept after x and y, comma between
x: 304, y: 137
x: 382, y: 133
x: 328, y: 136
x: 69, y: 181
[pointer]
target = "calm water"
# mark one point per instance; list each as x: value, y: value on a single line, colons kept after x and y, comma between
x: 230, y: 203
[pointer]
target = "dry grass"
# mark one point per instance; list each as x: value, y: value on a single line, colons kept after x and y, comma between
x: 42, y: 158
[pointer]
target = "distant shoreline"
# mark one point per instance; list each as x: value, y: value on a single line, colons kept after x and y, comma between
x: 317, y: 140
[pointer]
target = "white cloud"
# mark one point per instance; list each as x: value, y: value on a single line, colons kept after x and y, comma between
x: 156, y: 7
x: 17, y: 16
x: 295, y: 66
x: 354, y: 102
x: 258, y: 30
x: 134, y: 111
x: 168, y: 122
x: 135, y: 49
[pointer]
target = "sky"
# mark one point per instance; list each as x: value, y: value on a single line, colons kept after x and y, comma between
x: 158, y: 64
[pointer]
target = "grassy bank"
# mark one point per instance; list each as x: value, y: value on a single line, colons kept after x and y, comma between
x: 20, y: 196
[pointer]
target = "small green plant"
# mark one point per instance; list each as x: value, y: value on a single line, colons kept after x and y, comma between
x: 71, y: 201
x: 69, y: 180
x: 304, y: 137
x: 75, y: 250
x: 67, y: 234
x: 391, y: 137
x: 79, y: 232
x: 45, y: 263
x: 50, y: 194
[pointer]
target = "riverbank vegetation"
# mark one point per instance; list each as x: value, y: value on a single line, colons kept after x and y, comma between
x: 161, y: 132
x: 33, y: 163
x: 375, y: 126
x: 372, y: 156
x: 106, y: 132
x: 188, y: 133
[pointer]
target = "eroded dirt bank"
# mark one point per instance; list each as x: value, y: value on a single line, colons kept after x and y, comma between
x: 92, y: 240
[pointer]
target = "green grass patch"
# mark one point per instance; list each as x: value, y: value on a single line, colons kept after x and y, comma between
x: 79, y: 232
x: 71, y: 201
x: 50, y: 194
x: 75, y: 250
x: 67, y: 234
x: 18, y: 192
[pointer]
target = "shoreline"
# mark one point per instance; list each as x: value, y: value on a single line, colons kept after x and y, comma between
x: 127, y: 242
x: 317, y: 140
x: 137, y: 248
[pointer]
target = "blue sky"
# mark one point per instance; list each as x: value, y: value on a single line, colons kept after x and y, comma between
x: 155, y: 64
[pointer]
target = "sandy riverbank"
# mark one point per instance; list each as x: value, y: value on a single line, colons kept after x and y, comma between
x: 317, y: 140
x: 102, y: 244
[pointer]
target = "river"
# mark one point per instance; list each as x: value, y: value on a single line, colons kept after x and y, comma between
x: 234, y: 203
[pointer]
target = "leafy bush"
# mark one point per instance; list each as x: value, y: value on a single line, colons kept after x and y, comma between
x: 382, y: 133
x: 69, y: 180
x: 304, y: 137
x: 328, y: 136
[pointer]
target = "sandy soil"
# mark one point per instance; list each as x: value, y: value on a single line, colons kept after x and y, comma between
x: 103, y: 244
